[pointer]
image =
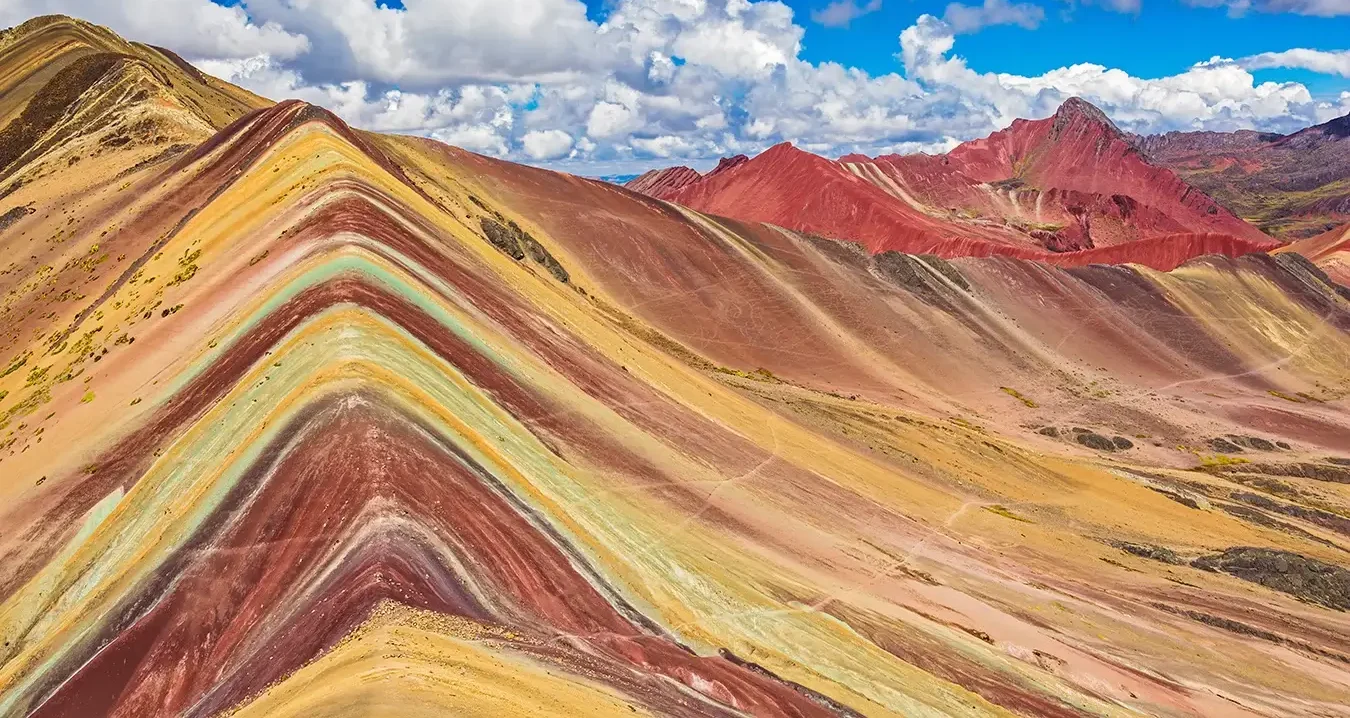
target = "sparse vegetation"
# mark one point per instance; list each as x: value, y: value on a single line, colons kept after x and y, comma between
x: 50, y: 104
x: 760, y: 374
x: 16, y: 364
x: 1220, y: 460
x: 1005, y: 512
x: 187, y: 267
x: 1018, y: 396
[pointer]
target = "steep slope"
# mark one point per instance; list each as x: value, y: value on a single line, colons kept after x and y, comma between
x: 35, y: 51
x: 1061, y: 189
x: 1292, y: 186
x: 332, y: 423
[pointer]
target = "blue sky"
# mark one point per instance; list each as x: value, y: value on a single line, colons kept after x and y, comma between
x: 1164, y: 38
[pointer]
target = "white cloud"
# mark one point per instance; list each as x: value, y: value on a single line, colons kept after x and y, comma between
x: 546, y: 144
x: 1130, y: 7
x: 1328, y: 63
x: 1317, y: 8
x: 666, y: 146
x: 1216, y: 94
x: 1330, y: 111
x: 608, y: 119
x: 973, y: 18
x: 535, y: 80
x: 747, y: 40
x: 482, y: 138
x: 842, y: 12
x: 432, y: 43
x: 193, y: 28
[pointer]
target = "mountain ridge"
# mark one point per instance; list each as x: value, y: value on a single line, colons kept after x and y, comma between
x: 1058, y: 189
x: 77, y: 93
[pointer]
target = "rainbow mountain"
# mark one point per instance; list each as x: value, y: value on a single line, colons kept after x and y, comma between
x: 301, y: 420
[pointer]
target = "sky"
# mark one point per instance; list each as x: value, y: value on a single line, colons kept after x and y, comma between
x: 619, y: 86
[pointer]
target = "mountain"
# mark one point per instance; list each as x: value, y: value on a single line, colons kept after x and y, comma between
x: 1078, y: 158
x: 1066, y: 189
x: 75, y: 93
x: 306, y: 420
x: 662, y: 181
x: 1291, y: 186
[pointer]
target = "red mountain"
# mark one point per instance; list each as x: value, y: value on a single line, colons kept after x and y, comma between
x: 662, y: 182
x: 658, y: 183
x: 1081, y: 155
x: 1059, y: 187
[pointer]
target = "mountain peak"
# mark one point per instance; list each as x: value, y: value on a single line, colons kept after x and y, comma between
x: 1078, y: 106
x: 1076, y: 109
x: 90, y: 34
x: 786, y: 152
x: 727, y: 163
x: 660, y: 182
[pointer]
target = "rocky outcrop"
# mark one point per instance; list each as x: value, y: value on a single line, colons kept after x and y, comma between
x: 1305, y: 578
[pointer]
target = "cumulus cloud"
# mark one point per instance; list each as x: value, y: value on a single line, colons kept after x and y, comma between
x: 1317, y: 8
x: 973, y: 18
x: 546, y: 144
x: 1329, y: 111
x: 1215, y: 94
x: 476, y: 117
x: 1328, y: 63
x: 431, y: 43
x: 664, y: 80
x: 842, y: 12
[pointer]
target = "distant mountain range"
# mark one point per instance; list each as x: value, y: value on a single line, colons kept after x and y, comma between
x: 618, y: 179
x: 1291, y: 186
